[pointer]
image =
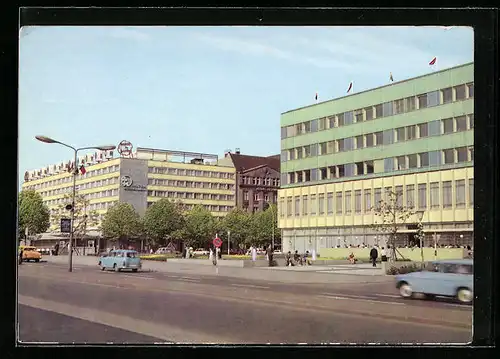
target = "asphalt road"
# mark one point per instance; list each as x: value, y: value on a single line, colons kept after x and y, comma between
x: 202, y: 310
x: 38, y: 325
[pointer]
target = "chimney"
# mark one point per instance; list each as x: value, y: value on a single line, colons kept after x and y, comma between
x: 237, y: 150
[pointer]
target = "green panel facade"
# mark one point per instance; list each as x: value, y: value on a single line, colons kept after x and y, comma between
x: 415, y: 86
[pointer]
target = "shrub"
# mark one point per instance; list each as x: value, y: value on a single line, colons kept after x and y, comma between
x: 403, y: 269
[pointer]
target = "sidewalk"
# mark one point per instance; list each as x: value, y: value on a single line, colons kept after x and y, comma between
x: 303, y: 274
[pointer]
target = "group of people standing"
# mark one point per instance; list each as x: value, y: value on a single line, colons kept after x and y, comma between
x: 297, y: 259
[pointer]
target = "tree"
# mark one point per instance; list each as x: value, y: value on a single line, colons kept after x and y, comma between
x: 163, y: 219
x: 391, y: 214
x: 33, y: 214
x: 238, y: 222
x: 122, y: 222
x: 84, y: 218
x: 199, y: 227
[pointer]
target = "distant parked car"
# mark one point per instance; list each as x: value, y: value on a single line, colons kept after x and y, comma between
x: 121, y: 259
x: 445, y: 278
x: 201, y: 252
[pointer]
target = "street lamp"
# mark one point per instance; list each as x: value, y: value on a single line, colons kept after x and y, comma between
x: 46, y: 139
x: 420, y: 215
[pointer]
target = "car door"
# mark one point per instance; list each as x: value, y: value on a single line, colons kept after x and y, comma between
x: 451, y: 279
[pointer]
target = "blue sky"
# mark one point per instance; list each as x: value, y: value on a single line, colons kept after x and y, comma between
x: 196, y: 88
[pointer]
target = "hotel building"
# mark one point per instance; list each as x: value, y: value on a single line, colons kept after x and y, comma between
x: 340, y: 157
x: 151, y: 174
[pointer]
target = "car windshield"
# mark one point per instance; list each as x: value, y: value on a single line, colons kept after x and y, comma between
x: 431, y: 267
x: 29, y: 249
x: 131, y: 254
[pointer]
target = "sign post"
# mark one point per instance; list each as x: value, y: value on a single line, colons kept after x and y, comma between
x: 217, y: 242
x: 228, y: 241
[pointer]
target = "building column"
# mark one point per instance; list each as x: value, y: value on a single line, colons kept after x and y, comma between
x: 250, y: 199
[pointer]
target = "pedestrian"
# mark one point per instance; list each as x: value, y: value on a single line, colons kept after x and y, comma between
x: 270, y: 255
x: 373, y: 256
x: 21, y: 256
x: 288, y: 262
x: 383, y: 254
x: 296, y: 257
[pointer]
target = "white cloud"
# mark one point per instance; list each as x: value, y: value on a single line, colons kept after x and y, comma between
x: 129, y: 33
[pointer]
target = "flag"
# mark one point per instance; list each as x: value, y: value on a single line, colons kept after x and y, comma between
x: 390, y: 77
x: 83, y: 170
x: 433, y: 61
x: 316, y: 97
x: 350, y: 87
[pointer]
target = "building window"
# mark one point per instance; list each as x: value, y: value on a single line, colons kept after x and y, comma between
x: 307, y: 175
x: 399, y: 106
x: 369, y: 113
x: 447, y: 194
x: 461, y: 154
x: 378, y: 111
x: 321, y: 201
x: 340, y: 119
x: 422, y: 130
x: 471, y: 192
x: 412, y: 161
x: 323, y: 173
x: 471, y: 151
x: 341, y: 144
x: 460, y: 193
x: 410, y: 104
x: 435, y: 158
x: 330, y: 147
x: 291, y: 154
x: 369, y: 140
x: 291, y: 177
x: 447, y: 125
x: 471, y: 89
x: 331, y: 122
x: 348, y: 118
x: 369, y: 167
x: 300, y: 177
x: 401, y: 162
x: 304, y: 205
x: 307, y: 151
x: 297, y: 206
x: 349, y: 169
x: 377, y: 197
x: 289, y: 206
x: 378, y: 138
x: 307, y: 127
x: 357, y: 201
x: 338, y: 202
x: 329, y: 203
x: 424, y: 159
x: 399, y: 196
x: 401, y: 134
x: 358, y: 115
x: 460, y: 93
x: 410, y: 195
x: 449, y: 156
x: 471, y: 121
x: 434, y: 195
x: 359, y: 141
x: 411, y: 132
x: 341, y: 171
x: 422, y: 101
x: 322, y: 124
x: 432, y: 98
x: 387, y: 109
x: 368, y: 200
x: 422, y: 196
x: 299, y: 153
x: 322, y: 148
x: 348, y: 204
x: 313, y: 204
x: 388, y: 164
x: 461, y: 123
x: 447, y: 95
x: 359, y: 168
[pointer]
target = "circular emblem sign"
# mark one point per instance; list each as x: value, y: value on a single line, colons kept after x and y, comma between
x: 125, y: 148
x: 217, y: 242
x: 126, y: 181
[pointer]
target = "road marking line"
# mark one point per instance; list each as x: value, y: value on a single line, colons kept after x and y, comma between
x: 388, y: 295
x: 137, y: 276
x: 347, y: 295
x: 172, y: 276
x: 361, y: 299
x: 250, y: 286
x: 190, y: 278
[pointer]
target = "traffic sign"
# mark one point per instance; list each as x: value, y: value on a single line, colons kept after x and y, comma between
x: 217, y: 242
x: 65, y: 225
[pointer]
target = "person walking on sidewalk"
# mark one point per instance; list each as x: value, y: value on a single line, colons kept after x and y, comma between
x: 374, y: 256
x: 270, y: 255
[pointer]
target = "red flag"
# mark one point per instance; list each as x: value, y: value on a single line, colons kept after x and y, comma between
x: 350, y: 87
x: 316, y: 97
x: 433, y: 61
x: 390, y: 77
x: 83, y: 170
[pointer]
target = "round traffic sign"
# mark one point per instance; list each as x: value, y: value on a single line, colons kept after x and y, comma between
x: 217, y: 242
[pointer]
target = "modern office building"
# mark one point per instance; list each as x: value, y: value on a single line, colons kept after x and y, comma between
x: 339, y: 158
x: 257, y: 180
x: 146, y: 177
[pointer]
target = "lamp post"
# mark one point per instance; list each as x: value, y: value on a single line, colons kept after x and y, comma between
x: 73, y: 193
x: 420, y: 215
x: 272, y: 236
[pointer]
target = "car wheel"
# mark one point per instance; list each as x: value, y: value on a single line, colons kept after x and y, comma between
x: 464, y: 295
x: 37, y: 260
x: 103, y: 267
x: 405, y: 290
x: 115, y: 267
x: 134, y: 270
